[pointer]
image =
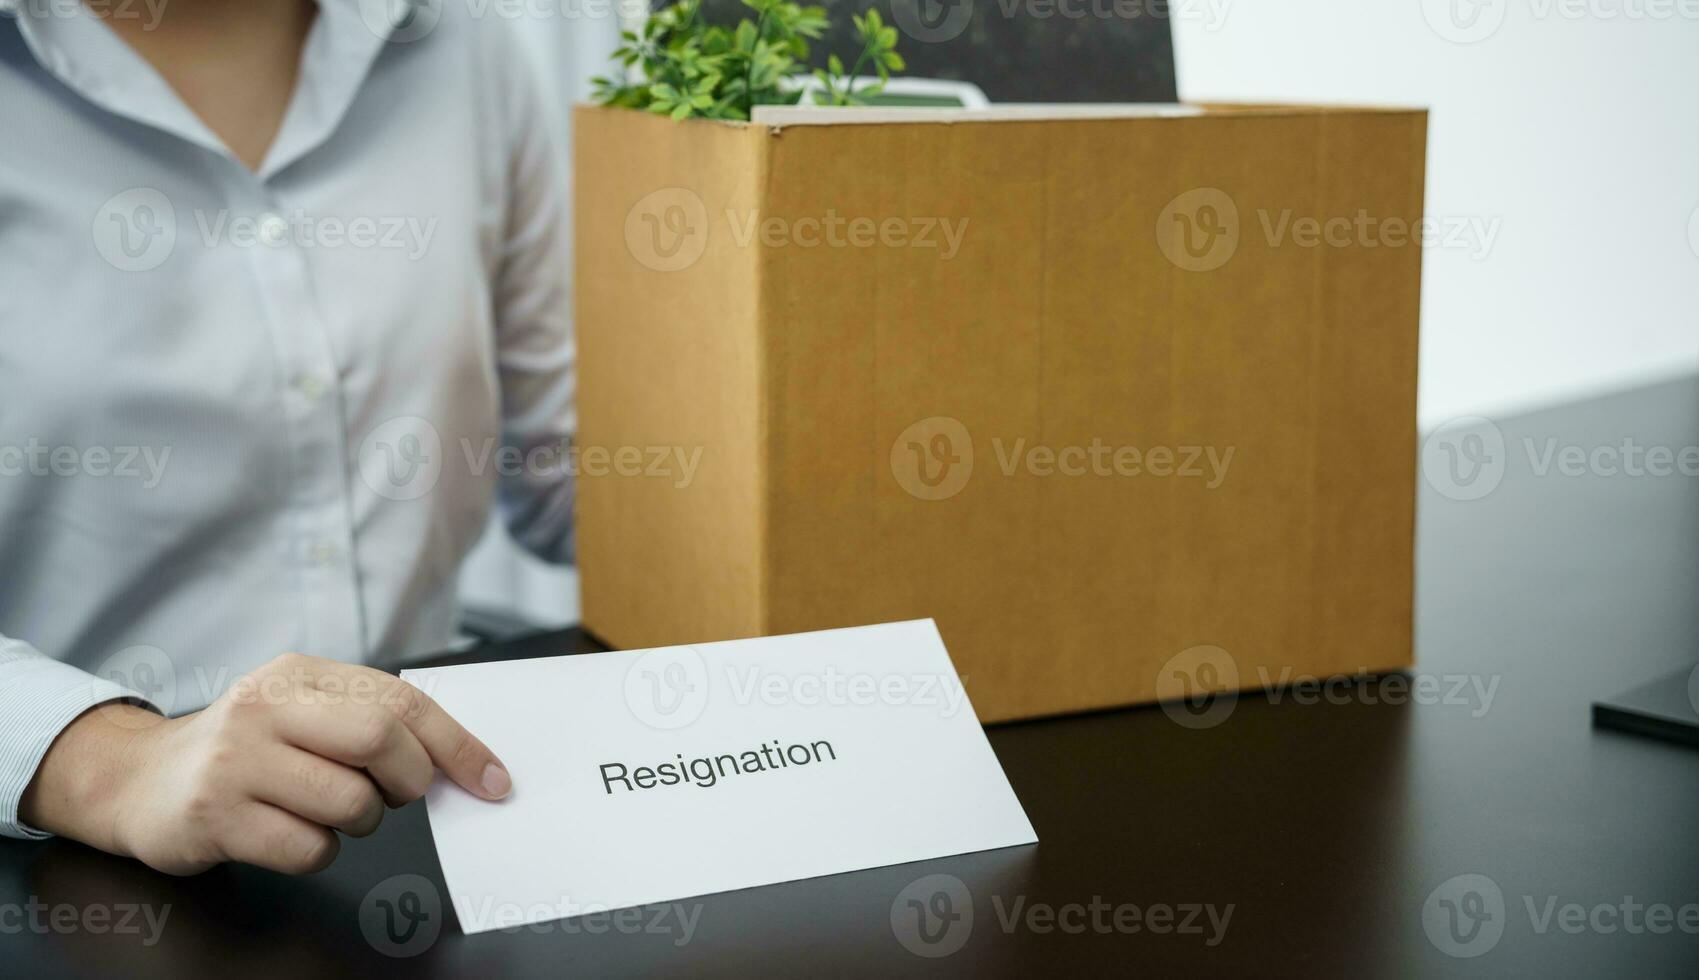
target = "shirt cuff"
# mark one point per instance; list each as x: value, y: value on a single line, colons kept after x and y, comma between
x: 39, y: 698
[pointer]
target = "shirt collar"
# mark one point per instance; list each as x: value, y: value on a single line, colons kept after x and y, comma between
x: 87, y: 56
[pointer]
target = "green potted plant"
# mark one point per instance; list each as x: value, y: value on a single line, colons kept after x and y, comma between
x: 681, y: 66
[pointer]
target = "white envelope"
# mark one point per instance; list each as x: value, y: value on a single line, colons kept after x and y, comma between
x: 650, y: 776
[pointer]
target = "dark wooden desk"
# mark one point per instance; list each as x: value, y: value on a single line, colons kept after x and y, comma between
x: 1327, y: 827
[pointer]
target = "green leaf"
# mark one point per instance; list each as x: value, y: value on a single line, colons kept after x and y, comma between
x: 689, y: 67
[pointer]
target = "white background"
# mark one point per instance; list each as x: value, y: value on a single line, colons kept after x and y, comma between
x: 1582, y: 134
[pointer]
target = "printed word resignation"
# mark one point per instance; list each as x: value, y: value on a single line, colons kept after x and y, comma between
x: 707, y: 770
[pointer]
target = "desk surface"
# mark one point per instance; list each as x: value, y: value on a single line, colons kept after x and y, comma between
x: 1328, y: 827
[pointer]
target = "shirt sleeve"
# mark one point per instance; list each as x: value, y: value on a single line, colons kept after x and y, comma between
x: 39, y: 697
x: 534, y: 343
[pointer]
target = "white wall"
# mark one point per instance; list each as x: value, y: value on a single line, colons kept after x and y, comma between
x: 1579, y: 133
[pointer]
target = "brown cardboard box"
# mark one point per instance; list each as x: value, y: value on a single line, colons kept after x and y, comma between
x: 882, y: 423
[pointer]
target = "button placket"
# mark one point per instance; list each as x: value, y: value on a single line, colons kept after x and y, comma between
x: 323, y: 546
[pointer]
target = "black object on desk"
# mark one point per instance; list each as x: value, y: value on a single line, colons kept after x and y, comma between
x: 1667, y: 708
x: 1440, y: 824
x: 1071, y: 51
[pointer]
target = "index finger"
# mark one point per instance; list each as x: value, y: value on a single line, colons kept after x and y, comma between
x: 457, y: 752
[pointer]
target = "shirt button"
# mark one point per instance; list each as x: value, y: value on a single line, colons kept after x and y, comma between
x: 274, y: 231
x: 322, y: 553
x: 310, y: 387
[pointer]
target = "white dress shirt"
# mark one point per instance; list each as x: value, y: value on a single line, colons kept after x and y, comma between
x: 247, y: 413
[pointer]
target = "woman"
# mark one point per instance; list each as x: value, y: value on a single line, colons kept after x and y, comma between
x: 278, y: 275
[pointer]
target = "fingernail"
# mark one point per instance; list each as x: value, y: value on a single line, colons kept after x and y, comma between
x: 497, y: 783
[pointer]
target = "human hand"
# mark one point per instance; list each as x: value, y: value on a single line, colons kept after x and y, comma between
x: 266, y: 775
